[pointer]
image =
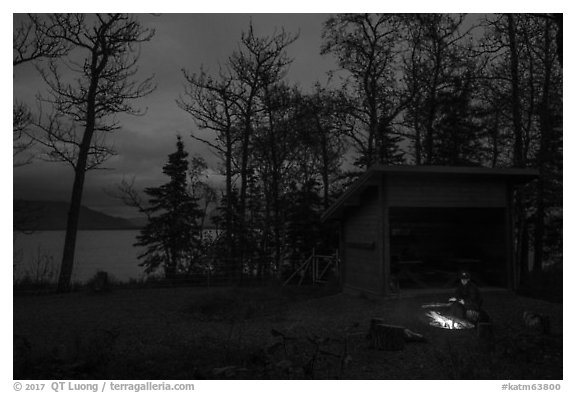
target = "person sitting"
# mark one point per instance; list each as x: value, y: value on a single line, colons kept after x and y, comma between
x: 467, y: 300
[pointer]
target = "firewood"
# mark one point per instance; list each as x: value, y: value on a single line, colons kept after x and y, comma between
x: 411, y: 336
x: 436, y: 305
x: 536, y: 322
x: 387, y: 337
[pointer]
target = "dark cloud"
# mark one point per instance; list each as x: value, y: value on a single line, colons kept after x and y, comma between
x: 143, y: 143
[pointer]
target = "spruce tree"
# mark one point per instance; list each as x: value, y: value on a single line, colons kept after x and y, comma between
x: 172, y: 234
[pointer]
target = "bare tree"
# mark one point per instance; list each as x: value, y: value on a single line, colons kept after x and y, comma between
x: 320, y: 124
x: 232, y: 105
x: 436, y: 61
x: 30, y: 41
x: 126, y: 192
x: 558, y: 21
x: 21, y: 119
x: 368, y: 47
x: 260, y: 63
x: 524, y: 80
x: 547, y: 80
x: 30, y: 44
x: 210, y: 102
x: 275, y: 152
x: 103, y: 85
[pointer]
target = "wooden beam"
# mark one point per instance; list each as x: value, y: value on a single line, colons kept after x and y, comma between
x: 384, y: 235
x: 342, y: 251
x: 380, y: 237
x: 510, y: 236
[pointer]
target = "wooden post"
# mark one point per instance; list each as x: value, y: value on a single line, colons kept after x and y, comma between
x: 510, y: 238
x: 337, y: 268
x: 373, y: 323
x: 342, y: 253
x: 314, y: 267
x: 304, y: 269
x: 384, y: 236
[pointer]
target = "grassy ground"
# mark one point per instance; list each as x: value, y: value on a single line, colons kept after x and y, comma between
x: 195, y: 333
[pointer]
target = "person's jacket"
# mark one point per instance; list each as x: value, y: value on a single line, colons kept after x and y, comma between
x: 470, y: 294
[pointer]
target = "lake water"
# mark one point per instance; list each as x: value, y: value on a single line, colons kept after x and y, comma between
x: 40, y: 253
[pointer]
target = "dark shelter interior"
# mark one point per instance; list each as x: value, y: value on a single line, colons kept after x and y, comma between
x: 417, y: 227
x: 429, y: 246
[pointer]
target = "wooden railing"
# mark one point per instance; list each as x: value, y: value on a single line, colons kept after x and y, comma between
x: 317, y: 266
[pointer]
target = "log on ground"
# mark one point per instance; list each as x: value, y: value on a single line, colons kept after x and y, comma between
x: 387, y: 337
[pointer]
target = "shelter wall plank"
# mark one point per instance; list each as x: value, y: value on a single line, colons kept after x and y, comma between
x: 435, y: 192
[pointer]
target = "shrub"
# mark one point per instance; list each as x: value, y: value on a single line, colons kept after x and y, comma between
x: 100, y: 283
x: 40, y: 275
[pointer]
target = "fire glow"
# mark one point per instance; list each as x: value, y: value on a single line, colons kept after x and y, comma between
x: 441, y: 321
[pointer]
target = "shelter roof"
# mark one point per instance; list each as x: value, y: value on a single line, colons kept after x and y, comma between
x: 374, y: 173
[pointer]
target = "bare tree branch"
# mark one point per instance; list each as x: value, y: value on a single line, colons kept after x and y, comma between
x: 33, y: 39
x: 21, y: 121
x: 84, y: 106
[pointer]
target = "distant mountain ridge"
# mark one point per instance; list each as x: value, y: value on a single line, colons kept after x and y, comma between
x: 52, y: 215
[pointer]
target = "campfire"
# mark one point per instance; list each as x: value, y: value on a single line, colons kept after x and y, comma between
x: 443, y: 320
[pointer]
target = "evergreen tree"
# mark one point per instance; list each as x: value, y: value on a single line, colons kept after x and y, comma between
x: 303, y: 220
x: 172, y: 236
x: 227, y: 220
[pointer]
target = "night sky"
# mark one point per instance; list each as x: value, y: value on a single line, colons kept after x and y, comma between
x: 189, y: 40
x: 143, y: 143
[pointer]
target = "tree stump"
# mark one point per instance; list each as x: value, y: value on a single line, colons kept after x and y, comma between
x: 536, y: 322
x: 386, y: 337
x: 374, y: 322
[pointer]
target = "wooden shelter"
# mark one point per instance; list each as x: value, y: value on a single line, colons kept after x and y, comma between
x: 419, y: 225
